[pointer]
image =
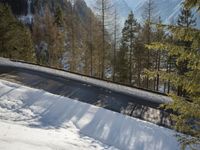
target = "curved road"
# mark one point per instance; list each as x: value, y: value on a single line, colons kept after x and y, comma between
x: 132, y: 105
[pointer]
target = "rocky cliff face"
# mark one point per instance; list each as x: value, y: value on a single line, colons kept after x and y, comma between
x: 19, y: 7
x: 23, y: 9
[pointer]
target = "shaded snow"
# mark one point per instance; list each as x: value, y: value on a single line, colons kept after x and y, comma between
x: 46, y: 121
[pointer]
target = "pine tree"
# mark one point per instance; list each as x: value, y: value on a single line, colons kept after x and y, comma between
x: 186, y: 19
x: 148, y: 16
x: 139, y: 59
x: 192, y: 4
x: 115, y: 41
x: 59, y: 17
x: 104, y: 9
x: 159, y: 35
x: 15, y: 39
x: 89, y: 45
x: 92, y: 43
x: 129, y: 36
x: 122, y: 64
x: 97, y: 48
x: 187, y: 106
x: 73, y: 61
x: 49, y: 39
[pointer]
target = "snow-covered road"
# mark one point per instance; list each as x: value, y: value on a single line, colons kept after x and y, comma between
x: 149, y: 96
x: 126, y: 100
x: 32, y: 119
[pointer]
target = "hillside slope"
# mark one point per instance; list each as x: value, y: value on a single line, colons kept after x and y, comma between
x: 167, y: 9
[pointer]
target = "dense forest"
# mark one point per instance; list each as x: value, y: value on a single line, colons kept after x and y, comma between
x: 66, y: 34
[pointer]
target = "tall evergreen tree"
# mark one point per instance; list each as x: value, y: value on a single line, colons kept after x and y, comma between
x: 192, y: 4
x: 104, y: 9
x: 129, y: 36
x: 122, y: 64
x: 159, y: 35
x: 186, y: 20
x: 15, y: 39
x: 49, y: 39
x: 186, y: 106
x: 59, y: 19
x: 148, y: 16
x: 89, y: 45
x: 72, y: 22
x: 140, y: 60
x: 115, y: 41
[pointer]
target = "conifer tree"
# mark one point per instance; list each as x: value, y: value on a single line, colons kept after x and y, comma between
x: 148, y: 16
x: 159, y: 35
x: 139, y: 57
x: 122, y: 64
x: 104, y: 9
x: 192, y: 4
x: 186, y: 20
x: 59, y: 17
x: 89, y: 45
x: 129, y: 36
x: 186, y: 106
x: 48, y: 39
x: 115, y: 41
x: 15, y: 39
x: 72, y: 36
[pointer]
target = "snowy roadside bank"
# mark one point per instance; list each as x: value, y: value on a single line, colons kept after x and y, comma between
x: 36, y: 111
x: 112, y: 86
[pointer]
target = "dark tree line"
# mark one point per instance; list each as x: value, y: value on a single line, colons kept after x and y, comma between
x: 15, y: 39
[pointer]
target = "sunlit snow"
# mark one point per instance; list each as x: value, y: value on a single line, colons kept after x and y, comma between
x: 34, y: 119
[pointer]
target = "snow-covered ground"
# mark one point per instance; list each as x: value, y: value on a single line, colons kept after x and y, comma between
x: 32, y: 119
x: 18, y: 137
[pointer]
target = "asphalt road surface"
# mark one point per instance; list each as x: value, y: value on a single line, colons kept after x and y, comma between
x: 131, y: 105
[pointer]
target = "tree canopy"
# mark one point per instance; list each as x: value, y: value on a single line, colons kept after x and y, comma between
x: 15, y: 39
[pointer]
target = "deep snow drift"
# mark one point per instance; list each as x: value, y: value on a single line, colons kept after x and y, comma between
x: 35, y: 119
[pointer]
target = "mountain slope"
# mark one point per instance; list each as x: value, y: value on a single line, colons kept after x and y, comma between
x: 168, y: 10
